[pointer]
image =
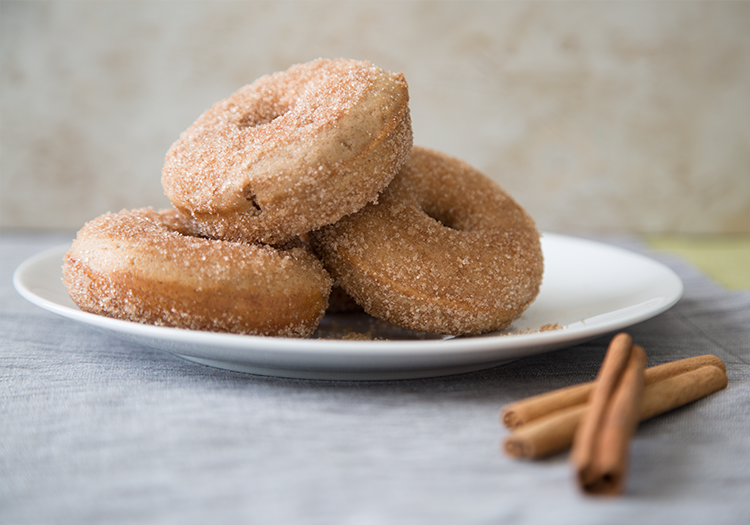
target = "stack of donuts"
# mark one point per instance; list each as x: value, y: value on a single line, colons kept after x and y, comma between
x: 303, y: 182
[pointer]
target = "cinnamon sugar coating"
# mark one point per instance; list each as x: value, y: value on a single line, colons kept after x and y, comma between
x: 292, y: 152
x: 443, y: 250
x: 145, y: 266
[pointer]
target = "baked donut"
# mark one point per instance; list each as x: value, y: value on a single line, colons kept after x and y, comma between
x: 291, y: 152
x: 145, y: 266
x: 444, y: 250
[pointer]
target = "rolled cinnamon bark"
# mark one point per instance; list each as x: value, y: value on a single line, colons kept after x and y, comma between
x: 615, y: 361
x: 680, y: 390
x: 607, y: 461
x: 554, y: 432
x: 526, y: 410
x: 545, y: 435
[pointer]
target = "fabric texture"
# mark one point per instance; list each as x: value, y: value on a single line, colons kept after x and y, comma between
x: 97, y: 430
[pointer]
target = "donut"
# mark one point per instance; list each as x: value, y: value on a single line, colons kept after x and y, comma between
x: 291, y: 152
x: 443, y: 250
x: 146, y: 266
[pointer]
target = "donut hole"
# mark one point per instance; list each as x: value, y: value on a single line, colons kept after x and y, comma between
x: 444, y: 217
x: 261, y: 114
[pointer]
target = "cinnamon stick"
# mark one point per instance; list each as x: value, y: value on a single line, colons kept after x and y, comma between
x: 682, y: 389
x: 526, y: 410
x: 602, y: 439
x: 545, y: 435
x: 606, y: 470
x: 615, y: 361
x: 554, y: 432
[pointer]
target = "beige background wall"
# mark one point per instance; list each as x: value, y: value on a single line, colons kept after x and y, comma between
x: 617, y: 116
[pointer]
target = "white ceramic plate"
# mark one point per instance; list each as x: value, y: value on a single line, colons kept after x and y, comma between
x: 589, y: 289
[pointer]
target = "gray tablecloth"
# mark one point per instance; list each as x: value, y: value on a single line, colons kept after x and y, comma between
x: 97, y: 430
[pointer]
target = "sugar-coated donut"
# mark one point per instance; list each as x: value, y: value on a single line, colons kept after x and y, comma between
x: 444, y: 250
x: 291, y: 152
x: 145, y: 266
